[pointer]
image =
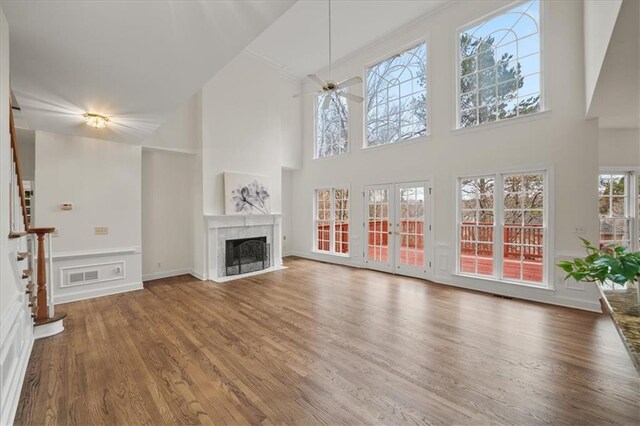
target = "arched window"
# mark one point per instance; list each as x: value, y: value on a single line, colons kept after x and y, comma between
x: 332, y: 126
x: 499, y: 67
x: 396, y: 98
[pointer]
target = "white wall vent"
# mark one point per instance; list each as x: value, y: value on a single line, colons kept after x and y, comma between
x: 71, y: 276
x: 84, y: 277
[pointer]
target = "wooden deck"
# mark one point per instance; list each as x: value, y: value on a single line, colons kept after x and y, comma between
x: 320, y: 343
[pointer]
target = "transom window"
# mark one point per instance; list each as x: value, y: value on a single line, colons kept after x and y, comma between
x: 511, y: 248
x: 499, y: 67
x: 618, y: 205
x: 396, y: 98
x: 332, y: 125
x: 332, y: 220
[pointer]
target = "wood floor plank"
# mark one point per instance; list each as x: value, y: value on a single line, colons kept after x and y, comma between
x: 326, y: 344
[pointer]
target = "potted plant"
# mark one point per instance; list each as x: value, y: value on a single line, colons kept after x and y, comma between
x: 611, y: 264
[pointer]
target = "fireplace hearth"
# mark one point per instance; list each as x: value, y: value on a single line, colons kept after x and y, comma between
x: 246, y: 255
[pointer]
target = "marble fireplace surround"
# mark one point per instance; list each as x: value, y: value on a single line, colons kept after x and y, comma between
x: 228, y: 227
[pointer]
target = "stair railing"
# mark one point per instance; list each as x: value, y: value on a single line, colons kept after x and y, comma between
x: 43, y: 313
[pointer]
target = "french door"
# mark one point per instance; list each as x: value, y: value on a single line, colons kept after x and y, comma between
x: 398, y: 228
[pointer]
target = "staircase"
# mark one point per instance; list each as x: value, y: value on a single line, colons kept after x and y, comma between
x: 30, y: 239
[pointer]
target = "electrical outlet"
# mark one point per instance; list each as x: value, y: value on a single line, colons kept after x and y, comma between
x: 284, y: 238
x: 159, y: 265
x: 101, y: 230
x: 580, y: 230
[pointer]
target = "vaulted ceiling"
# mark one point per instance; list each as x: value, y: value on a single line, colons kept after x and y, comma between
x: 134, y: 61
x: 138, y: 61
x: 298, y: 41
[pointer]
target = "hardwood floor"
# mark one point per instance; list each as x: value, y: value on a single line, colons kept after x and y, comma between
x: 320, y: 343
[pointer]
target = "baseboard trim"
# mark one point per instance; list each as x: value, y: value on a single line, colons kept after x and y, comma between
x: 91, y: 294
x: 165, y: 274
x: 197, y: 275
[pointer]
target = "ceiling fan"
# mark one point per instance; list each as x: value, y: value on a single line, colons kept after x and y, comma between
x: 330, y: 87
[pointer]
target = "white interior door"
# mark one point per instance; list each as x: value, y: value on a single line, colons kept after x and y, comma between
x: 378, y: 231
x: 398, y: 228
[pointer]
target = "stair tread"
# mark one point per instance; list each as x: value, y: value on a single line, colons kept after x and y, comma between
x: 26, y: 273
x: 23, y: 255
x: 17, y: 234
x: 56, y: 317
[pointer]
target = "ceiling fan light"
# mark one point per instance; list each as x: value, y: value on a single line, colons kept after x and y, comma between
x: 96, y: 120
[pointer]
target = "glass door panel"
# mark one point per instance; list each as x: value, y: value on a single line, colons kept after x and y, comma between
x: 378, y: 227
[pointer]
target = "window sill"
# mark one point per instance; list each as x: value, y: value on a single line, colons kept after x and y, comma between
x: 399, y: 143
x: 329, y: 157
x: 502, y: 123
x: 498, y: 281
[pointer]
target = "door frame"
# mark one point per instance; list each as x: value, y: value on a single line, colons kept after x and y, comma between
x: 429, y: 240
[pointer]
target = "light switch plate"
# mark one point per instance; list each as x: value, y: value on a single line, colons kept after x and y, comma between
x: 101, y: 230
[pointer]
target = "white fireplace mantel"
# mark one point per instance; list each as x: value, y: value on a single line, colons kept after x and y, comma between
x: 230, y: 221
x: 218, y: 227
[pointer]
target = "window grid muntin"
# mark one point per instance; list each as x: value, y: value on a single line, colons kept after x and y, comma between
x: 482, y: 234
x: 378, y: 212
x: 626, y: 219
x: 374, y: 99
x: 499, y: 229
x: 520, y: 246
x: 336, y: 129
x: 329, y: 239
x: 412, y: 218
x: 519, y: 97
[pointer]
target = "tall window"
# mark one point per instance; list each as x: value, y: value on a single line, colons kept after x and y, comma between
x: 332, y: 220
x: 332, y: 126
x: 618, y: 205
x: 396, y: 98
x: 499, y: 66
x: 511, y: 248
x: 477, y: 225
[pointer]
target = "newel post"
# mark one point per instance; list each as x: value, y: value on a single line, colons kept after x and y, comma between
x: 43, y: 308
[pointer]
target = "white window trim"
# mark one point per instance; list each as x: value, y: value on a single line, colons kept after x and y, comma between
x: 545, y: 104
x: 548, y: 227
x: 332, y: 221
x: 315, y: 131
x: 427, y: 81
x: 633, y: 173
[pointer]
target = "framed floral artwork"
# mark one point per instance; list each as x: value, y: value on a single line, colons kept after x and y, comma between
x: 246, y: 194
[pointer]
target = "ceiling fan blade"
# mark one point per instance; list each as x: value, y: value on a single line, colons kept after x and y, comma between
x: 327, y: 99
x: 313, y: 93
x: 317, y: 80
x: 351, y: 96
x: 350, y: 82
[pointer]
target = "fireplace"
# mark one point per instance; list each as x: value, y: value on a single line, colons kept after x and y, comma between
x: 247, y: 255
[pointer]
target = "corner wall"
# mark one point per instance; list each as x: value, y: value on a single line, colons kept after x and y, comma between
x: 102, y: 180
x: 560, y: 139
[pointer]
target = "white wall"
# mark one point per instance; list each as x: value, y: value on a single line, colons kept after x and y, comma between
x: 251, y: 125
x: 599, y: 21
x: 619, y: 147
x: 167, y: 203
x: 172, y: 194
x: 27, y: 147
x: 559, y: 138
x: 16, y: 325
x: 102, y: 180
x: 287, y: 212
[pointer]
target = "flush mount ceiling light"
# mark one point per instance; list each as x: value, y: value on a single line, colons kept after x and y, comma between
x: 96, y: 120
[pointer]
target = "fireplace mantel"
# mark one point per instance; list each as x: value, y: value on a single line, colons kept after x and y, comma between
x: 219, y: 227
x: 230, y: 221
